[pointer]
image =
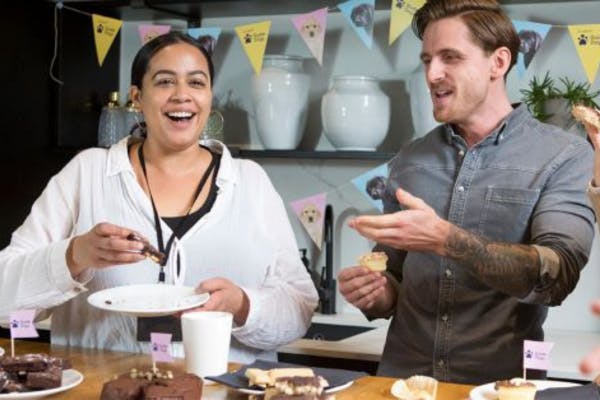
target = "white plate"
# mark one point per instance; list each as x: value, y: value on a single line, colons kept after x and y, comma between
x: 487, y: 391
x: 70, y: 379
x: 328, y: 390
x: 1, y: 351
x: 148, y: 300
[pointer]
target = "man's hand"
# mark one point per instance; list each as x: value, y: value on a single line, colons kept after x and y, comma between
x: 102, y: 246
x: 416, y: 228
x: 225, y: 296
x: 366, y: 290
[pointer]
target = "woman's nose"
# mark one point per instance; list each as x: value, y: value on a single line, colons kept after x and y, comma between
x: 180, y: 93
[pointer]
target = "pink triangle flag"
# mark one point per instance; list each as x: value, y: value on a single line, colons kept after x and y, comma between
x: 149, y: 32
x: 311, y: 27
x: 311, y: 212
x: 536, y: 355
x: 161, y: 347
x: 21, y: 324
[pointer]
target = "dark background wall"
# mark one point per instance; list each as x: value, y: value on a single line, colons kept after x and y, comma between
x: 44, y: 124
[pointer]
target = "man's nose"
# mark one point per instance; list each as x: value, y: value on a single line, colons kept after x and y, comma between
x: 434, y: 71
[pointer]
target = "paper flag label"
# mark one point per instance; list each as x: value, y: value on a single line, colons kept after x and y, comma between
x: 161, y: 347
x: 532, y: 34
x: 536, y: 355
x: 311, y: 213
x: 311, y: 28
x: 149, y: 32
x: 254, y: 41
x: 401, y: 16
x: 587, y: 42
x: 360, y: 14
x: 21, y: 324
x: 105, y: 31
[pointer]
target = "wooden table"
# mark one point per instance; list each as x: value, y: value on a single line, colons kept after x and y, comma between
x: 98, y: 366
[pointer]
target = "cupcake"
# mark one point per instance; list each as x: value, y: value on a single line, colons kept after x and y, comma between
x: 515, y: 389
x: 417, y: 387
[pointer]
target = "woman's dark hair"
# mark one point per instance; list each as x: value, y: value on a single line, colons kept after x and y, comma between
x: 489, y: 25
x: 142, y: 59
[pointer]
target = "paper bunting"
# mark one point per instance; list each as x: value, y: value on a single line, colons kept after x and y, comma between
x: 311, y: 212
x: 587, y: 42
x: 254, y: 41
x: 149, y: 32
x: 401, y: 15
x: 161, y: 347
x: 209, y: 35
x: 311, y: 28
x: 360, y: 14
x: 372, y: 185
x: 532, y: 34
x: 21, y: 324
x: 105, y: 31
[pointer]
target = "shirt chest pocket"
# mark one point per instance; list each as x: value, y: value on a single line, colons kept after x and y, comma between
x: 507, y: 212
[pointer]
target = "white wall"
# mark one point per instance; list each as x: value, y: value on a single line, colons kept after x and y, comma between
x: 345, y: 54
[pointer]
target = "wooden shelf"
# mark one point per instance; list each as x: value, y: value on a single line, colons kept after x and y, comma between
x: 312, y: 154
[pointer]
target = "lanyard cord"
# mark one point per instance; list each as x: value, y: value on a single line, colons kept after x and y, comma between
x: 157, y: 225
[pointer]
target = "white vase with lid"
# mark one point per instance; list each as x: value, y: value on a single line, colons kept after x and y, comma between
x: 355, y: 113
x: 280, y: 97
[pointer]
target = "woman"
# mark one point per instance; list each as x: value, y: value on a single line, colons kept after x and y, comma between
x: 219, y: 220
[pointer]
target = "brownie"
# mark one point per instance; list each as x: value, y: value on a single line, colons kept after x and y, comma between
x: 28, y: 363
x: 182, y: 387
x: 48, y: 379
x: 123, y: 388
x: 3, y: 379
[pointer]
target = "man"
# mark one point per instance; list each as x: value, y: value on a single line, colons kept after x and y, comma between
x: 486, y: 222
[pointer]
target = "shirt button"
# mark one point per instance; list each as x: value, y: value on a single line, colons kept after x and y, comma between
x: 461, y: 153
x: 461, y: 189
x: 448, y: 273
x: 441, y: 363
x: 445, y: 317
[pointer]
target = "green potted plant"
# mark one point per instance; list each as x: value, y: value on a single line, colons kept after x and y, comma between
x: 549, y: 102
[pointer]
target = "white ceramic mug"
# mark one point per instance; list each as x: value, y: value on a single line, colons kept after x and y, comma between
x: 206, y: 339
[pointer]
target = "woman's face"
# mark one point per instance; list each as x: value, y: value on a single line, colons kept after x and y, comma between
x: 176, y: 96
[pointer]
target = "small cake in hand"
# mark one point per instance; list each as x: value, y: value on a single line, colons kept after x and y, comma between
x: 515, y: 389
x: 375, y: 261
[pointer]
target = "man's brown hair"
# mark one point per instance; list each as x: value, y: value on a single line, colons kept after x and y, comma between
x: 489, y: 25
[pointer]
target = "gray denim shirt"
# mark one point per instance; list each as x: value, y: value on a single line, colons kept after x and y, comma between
x: 524, y: 183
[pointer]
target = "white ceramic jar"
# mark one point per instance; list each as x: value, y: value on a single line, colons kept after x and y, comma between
x: 355, y: 113
x: 280, y: 96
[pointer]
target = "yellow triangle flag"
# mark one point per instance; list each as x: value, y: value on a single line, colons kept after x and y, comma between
x: 105, y: 31
x: 587, y: 42
x: 401, y: 16
x: 254, y: 41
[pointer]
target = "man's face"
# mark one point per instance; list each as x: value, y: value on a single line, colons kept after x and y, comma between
x: 457, y: 71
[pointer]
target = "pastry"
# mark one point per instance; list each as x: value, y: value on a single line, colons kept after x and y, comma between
x: 417, y: 387
x: 267, y: 378
x: 586, y: 114
x: 149, y: 251
x: 515, y: 389
x: 375, y: 261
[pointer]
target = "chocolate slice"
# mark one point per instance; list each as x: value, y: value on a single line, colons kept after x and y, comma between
x: 149, y: 251
x: 51, y: 378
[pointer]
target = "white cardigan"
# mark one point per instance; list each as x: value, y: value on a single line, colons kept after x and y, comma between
x: 246, y: 238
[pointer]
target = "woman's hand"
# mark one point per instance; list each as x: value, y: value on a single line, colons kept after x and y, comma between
x: 225, y: 296
x: 591, y: 363
x: 102, y: 246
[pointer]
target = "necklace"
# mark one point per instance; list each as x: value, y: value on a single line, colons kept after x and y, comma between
x: 157, y: 225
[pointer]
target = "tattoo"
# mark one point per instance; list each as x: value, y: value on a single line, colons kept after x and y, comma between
x: 509, y: 268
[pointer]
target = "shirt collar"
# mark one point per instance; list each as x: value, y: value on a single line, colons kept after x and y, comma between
x: 515, y: 118
x: 118, y: 160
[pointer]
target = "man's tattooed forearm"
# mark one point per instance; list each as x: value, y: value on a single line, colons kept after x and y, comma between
x: 510, y: 268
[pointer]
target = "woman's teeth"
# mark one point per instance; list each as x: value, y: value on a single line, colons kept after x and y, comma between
x: 180, y: 115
